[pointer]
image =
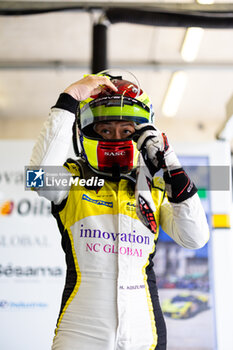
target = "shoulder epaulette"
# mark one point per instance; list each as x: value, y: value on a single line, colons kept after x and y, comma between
x: 73, y: 167
x: 158, y: 182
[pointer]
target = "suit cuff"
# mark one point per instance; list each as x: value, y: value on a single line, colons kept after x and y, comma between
x: 67, y: 102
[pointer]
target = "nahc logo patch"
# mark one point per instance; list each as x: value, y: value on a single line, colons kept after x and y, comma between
x: 97, y: 201
x: 35, y: 178
x: 130, y: 206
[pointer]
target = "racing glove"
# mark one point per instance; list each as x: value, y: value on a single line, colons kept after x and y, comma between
x: 157, y: 154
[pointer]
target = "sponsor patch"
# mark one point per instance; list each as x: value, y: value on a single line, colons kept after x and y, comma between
x: 130, y: 206
x: 97, y: 201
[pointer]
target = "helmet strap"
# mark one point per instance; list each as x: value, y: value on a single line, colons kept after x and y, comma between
x: 77, y: 151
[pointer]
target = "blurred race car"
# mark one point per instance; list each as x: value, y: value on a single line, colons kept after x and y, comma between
x: 185, y: 306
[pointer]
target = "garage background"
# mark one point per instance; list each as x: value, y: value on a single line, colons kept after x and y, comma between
x: 47, y: 45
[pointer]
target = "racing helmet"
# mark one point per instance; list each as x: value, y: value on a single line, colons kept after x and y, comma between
x: 117, y: 156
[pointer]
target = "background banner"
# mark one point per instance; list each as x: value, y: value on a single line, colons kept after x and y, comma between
x: 32, y: 266
x: 184, y: 275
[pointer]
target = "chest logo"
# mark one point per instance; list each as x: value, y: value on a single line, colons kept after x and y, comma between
x: 97, y: 201
x: 130, y: 206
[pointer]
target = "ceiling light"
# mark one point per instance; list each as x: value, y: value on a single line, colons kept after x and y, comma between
x: 191, y: 43
x: 174, y: 94
x: 226, y: 131
x: 205, y: 2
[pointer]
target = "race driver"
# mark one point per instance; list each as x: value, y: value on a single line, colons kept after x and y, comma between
x: 109, y: 231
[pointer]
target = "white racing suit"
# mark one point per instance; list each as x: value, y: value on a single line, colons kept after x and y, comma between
x: 110, y: 299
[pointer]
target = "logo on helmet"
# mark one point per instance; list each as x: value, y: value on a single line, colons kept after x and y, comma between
x: 115, y: 154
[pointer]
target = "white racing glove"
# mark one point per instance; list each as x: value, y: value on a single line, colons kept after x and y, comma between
x: 157, y: 154
x: 155, y: 148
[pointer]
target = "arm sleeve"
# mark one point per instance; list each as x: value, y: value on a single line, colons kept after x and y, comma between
x: 52, y: 145
x: 185, y: 222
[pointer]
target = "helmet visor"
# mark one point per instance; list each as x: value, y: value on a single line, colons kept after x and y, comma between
x: 114, y: 107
